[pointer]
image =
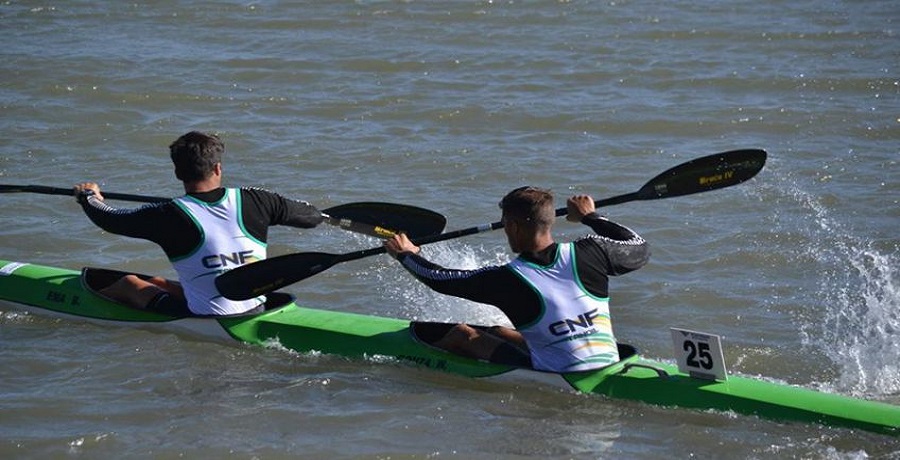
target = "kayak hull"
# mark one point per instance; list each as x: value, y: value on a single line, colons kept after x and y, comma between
x: 662, y: 384
x: 61, y: 292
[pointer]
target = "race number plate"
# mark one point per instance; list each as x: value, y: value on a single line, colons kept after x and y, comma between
x: 699, y: 354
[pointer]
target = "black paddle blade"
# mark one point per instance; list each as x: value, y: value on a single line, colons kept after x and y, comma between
x: 392, y: 218
x: 700, y: 175
x: 711, y: 172
x: 260, y: 278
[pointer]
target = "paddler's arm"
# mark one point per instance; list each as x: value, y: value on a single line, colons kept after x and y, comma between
x: 407, y: 253
x: 619, y: 248
x: 493, y: 285
x: 263, y: 208
x: 126, y: 222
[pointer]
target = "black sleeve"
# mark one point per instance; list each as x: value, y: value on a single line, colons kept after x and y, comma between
x: 261, y: 208
x: 613, y: 250
x: 162, y: 223
x: 126, y: 222
x: 493, y: 285
x: 139, y: 222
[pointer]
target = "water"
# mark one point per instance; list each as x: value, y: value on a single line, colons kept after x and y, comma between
x: 448, y: 105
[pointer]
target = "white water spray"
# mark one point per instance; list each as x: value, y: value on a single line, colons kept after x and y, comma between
x: 421, y: 303
x: 859, y: 293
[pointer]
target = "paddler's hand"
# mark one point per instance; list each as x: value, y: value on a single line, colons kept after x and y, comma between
x: 399, y: 244
x: 579, y: 206
x: 84, y: 189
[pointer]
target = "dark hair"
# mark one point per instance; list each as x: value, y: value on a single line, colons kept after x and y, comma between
x: 530, y: 206
x: 195, y: 155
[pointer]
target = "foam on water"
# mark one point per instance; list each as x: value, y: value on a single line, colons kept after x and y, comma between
x: 859, y: 324
x: 421, y: 303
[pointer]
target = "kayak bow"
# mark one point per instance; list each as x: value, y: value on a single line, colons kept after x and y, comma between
x: 64, y: 292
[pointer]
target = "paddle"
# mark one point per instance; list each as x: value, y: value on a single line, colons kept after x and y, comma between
x: 700, y: 175
x: 382, y: 220
x: 370, y: 218
x: 6, y: 188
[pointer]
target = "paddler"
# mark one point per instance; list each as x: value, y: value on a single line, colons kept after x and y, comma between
x: 208, y: 230
x: 555, y: 295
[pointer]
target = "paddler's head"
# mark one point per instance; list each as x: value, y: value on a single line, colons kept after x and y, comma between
x: 198, y: 158
x: 528, y: 217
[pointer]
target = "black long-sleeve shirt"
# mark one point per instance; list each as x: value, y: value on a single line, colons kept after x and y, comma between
x: 176, y: 233
x: 613, y: 250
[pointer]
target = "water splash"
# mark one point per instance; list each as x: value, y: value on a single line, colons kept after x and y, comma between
x: 859, y: 328
x: 421, y: 303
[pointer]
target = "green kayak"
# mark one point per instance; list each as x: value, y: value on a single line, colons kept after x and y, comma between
x: 69, y: 293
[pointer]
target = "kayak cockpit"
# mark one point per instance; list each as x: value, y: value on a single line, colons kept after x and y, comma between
x: 428, y: 332
x: 96, y: 279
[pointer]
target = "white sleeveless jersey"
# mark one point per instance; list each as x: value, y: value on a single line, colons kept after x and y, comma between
x: 574, y: 332
x: 224, y: 245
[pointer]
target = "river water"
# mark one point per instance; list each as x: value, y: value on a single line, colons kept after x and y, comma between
x: 448, y: 105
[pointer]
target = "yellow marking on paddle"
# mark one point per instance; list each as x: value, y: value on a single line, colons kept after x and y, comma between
x: 383, y: 232
x: 710, y: 180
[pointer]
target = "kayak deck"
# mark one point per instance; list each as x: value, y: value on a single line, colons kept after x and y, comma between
x: 354, y: 335
x: 663, y: 384
x: 301, y: 329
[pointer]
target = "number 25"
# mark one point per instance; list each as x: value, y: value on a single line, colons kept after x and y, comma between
x: 698, y: 350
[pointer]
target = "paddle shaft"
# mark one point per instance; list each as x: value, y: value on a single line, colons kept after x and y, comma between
x: 70, y: 192
x: 700, y: 175
x: 376, y: 219
x: 474, y: 230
